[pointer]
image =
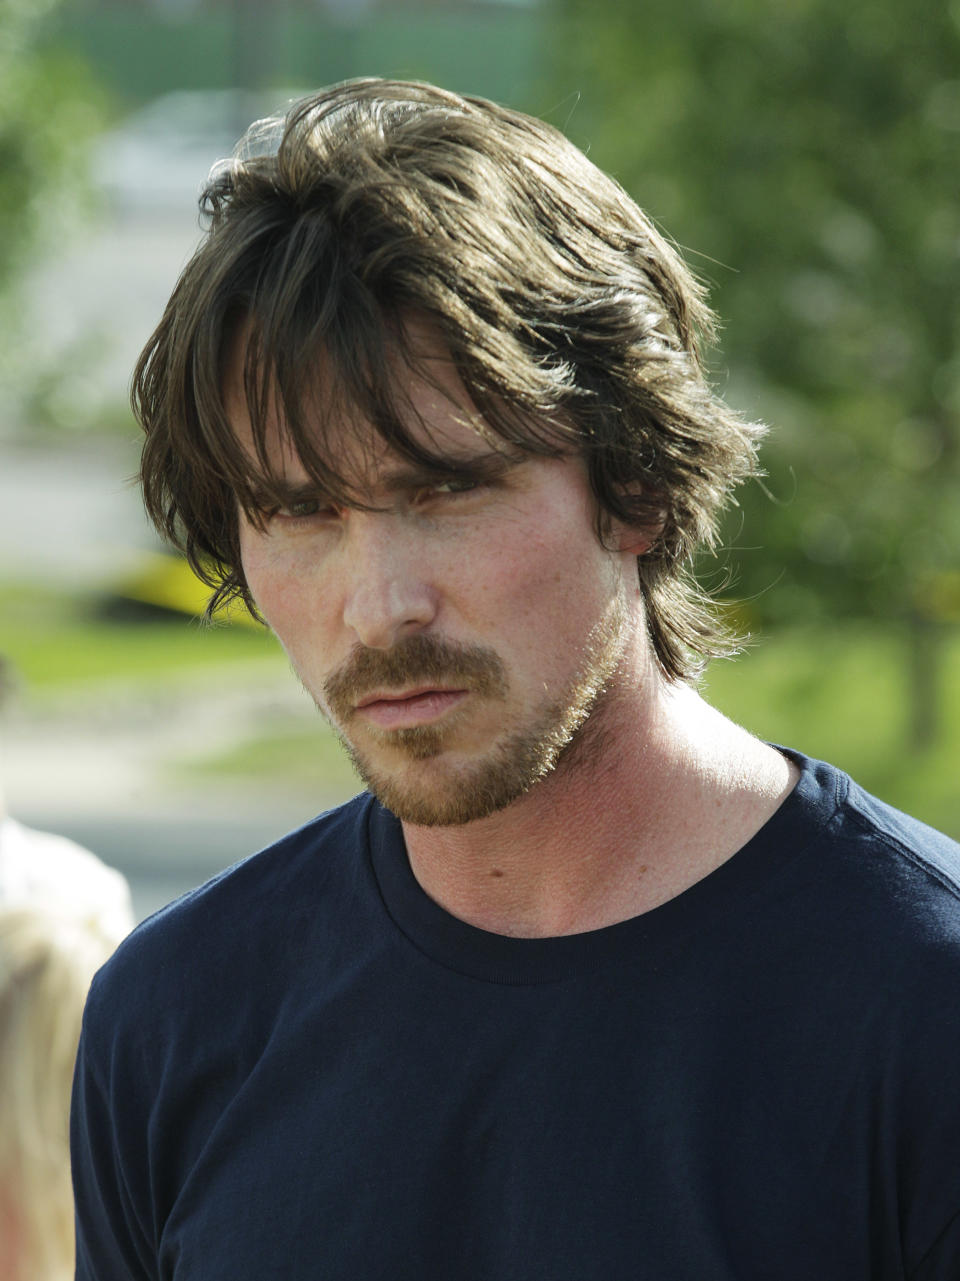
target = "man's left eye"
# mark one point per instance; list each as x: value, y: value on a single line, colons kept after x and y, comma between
x: 455, y: 485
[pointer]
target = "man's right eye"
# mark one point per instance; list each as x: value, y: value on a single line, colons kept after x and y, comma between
x: 303, y: 510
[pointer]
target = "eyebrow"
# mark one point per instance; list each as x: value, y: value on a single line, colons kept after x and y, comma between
x: 485, y: 466
x: 403, y: 478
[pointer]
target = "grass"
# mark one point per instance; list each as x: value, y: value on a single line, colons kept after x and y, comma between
x: 844, y: 694
x: 301, y: 758
x: 55, y: 642
x: 840, y: 693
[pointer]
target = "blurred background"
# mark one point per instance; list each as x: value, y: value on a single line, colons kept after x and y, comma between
x: 805, y: 155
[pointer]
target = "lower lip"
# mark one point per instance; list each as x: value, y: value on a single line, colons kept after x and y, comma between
x: 406, y: 713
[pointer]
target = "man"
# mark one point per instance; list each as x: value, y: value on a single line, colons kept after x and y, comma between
x: 594, y: 985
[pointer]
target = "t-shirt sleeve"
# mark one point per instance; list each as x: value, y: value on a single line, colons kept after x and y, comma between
x: 928, y: 1113
x: 113, y: 1241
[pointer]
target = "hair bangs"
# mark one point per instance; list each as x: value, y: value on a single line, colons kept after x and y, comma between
x: 322, y: 377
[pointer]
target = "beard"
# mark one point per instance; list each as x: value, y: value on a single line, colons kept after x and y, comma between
x: 561, y: 733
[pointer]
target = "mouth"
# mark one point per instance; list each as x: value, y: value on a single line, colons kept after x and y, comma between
x: 408, y: 709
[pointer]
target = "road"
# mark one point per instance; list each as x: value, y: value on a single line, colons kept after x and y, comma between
x: 104, y: 767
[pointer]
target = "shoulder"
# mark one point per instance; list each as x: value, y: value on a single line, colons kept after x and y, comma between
x: 883, y: 886
x: 919, y: 851
x: 907, y: 913
x: 245, y: 923
x: 916, y: 866
x: 858, y: 892
x: 191, y: 1001
x: 832, y: 813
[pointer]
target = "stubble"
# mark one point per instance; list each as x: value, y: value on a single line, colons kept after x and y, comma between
x: 564, y: 733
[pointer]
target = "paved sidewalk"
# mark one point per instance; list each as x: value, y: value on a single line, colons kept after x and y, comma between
x: 96, y: 766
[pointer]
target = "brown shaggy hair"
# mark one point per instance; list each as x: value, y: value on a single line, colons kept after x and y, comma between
x: 572, y: 322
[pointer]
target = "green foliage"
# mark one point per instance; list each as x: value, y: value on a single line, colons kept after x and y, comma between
x: 836, y: 692
x: 806, y: 154
x: 144, y: 50
x: 49, y: 108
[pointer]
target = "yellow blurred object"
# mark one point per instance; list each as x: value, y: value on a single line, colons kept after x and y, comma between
x: 168, y: 582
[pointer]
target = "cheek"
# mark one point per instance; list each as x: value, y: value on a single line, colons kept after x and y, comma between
x: 254, y: 563
x: 275, y: 580
x: 545, y: 593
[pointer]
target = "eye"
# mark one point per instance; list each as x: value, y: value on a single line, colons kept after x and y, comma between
x: 305, y: 510
x: 303, y: 507
x: 454, y: 485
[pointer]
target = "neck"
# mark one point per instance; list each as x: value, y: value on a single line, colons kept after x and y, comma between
x: 662, y: 790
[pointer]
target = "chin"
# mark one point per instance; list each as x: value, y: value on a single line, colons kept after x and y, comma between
x: 454, y: 807
x: 430, y: 790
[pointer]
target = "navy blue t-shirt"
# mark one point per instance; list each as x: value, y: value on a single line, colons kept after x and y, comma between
x: 306, y: 1070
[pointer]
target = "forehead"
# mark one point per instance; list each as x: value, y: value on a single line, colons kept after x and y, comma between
x: 418, y: 410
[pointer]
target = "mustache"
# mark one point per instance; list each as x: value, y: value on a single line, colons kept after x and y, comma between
x: 415, y: 659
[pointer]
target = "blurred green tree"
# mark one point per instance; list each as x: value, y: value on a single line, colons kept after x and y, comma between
x: 808, y: 154
x: 50, y: 107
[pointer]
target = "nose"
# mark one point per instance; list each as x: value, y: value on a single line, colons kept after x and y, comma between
x: 387, y: 590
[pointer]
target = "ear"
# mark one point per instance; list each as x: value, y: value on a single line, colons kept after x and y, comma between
x: 635, y: 538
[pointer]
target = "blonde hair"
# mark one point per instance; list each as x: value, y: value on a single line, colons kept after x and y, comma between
x: 48, y: 955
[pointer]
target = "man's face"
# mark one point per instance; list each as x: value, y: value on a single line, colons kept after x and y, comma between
x: 460, y: 636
